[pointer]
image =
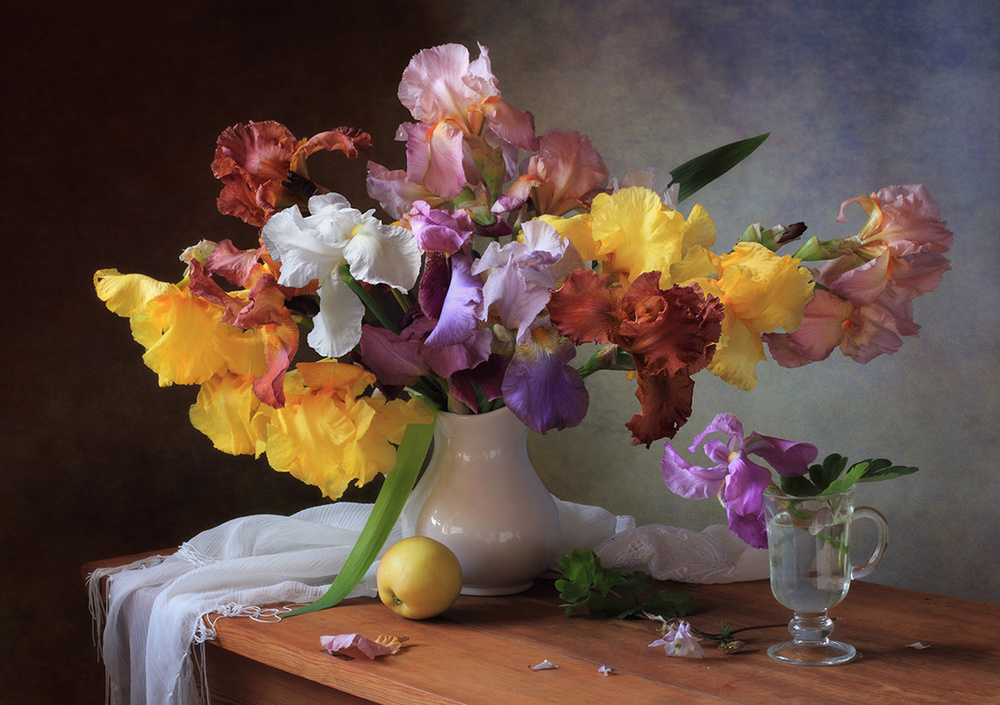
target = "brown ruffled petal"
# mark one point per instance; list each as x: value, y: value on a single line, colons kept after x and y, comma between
x: 666, y: 406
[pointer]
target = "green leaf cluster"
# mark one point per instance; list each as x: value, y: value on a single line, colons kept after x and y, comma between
x: 603, y: 593
x: 833, y: 475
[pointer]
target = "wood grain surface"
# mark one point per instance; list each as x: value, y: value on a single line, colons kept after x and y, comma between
x: 481, y: 650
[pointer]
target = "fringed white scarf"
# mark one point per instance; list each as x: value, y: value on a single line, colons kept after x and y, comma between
x: 154, y: 609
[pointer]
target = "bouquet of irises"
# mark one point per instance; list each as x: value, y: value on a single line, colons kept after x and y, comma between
x: 498, y: 253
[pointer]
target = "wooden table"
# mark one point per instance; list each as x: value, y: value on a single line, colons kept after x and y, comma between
x: 481, y: 651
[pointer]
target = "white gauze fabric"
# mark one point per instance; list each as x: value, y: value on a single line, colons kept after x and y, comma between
x: 154, y: 608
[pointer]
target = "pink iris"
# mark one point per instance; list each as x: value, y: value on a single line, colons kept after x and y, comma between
x: 735, y: 479
x: 565, y: 174
x: 866, y: 303
x: 460, y: 114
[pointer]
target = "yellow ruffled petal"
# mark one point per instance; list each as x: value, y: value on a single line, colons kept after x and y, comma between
x: 699, y: 230
x: 737, y: 353
x: 764, y: 288
x: 125, y: 294
x: 305, y: 438
x: 329, y: 436
x: 380, y: 425
x: 369, y: 452
x: 187, y: 343
x: 698, y: 263
x: 342, y: 380
x: 638, y: 233
x: 225, y: 412
x: 761, y: 292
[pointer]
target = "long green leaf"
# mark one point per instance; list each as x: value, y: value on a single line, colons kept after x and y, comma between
x: 391, y: 498
x: 703, y: 170
x: 887, y: 473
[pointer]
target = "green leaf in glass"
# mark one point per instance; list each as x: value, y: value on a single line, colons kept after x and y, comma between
x: 825, y: 474
x: 799, y: 486
x: 885, y: 472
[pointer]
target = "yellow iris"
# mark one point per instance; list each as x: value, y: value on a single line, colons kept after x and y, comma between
x: 631, y: 232
x: 328, y: 436
x: 125, y: 294
x: 636, y: 233
x: 227, y: 412
x: 185, y: 339
x: 761, y: 292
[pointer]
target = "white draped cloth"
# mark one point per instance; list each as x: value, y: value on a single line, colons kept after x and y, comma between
x: 151, y: 622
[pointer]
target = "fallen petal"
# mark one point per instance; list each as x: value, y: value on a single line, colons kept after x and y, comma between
x: 918, y: 645
x: 354, y: 644
x: 544, y: 666
x: 605, y: 670
x: 393, y: 642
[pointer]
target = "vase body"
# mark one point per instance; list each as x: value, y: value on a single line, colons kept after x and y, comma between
x: 481, y: 497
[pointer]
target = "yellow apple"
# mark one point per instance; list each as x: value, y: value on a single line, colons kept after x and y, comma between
x: 419, y: 577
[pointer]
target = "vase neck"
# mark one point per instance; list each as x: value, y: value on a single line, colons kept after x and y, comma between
x: 499, y: 421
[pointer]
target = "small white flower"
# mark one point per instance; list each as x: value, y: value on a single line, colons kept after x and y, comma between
x: 678, y: 640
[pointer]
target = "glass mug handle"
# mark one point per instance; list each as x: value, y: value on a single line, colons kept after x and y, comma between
x: 882, y: 540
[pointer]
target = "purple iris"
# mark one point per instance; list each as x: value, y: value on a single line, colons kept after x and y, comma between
x: 541, y: 387
x: 735, y: 479
x: 439, y: 230
x: 520, y: 277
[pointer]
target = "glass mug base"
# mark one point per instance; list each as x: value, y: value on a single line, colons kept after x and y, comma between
x: 828, y: 653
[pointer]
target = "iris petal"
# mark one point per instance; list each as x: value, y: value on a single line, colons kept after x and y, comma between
x: 439, y: 230
x: 383, y: 254
x: 329, y: 437
x: 749, y: 527
x: 224, y: 411
x: 541, y: 388
x: 690, y: 481
x: 584, y: 310
x: 394, y: 361
x: 487, y: 377
x: 666, y: 406
x: 745, y: 485
x: 125, y: 294
x: 457, y: 320
x: 788, y: 458
x: 337, y: 326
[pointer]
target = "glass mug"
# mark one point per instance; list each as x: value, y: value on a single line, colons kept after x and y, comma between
x: 809, y: 549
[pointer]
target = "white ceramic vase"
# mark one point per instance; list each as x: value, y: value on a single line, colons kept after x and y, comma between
x: 481, y: 497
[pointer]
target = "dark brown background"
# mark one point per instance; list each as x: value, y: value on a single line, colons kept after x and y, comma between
x: 109, y: 112
x: 109, y: 120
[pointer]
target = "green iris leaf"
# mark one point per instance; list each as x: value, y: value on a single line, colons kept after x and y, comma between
x: 703, y: 170
x: 391, y: 498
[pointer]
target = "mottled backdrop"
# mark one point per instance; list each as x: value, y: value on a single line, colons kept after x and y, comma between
x: 109, y: 117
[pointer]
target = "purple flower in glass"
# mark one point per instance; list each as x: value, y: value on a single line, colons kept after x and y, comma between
x: 738, y: 481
